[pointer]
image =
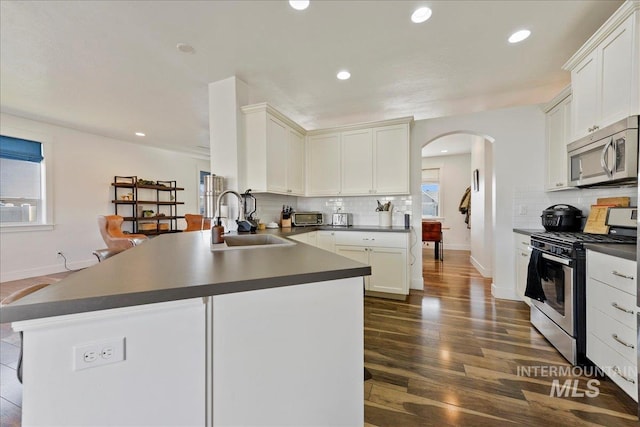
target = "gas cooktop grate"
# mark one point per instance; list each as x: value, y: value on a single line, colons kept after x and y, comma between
x: 578, y: 237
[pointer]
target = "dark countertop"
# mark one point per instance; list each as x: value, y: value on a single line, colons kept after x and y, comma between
x: 616, y: 249
x: 181, y: 266
x: 528, y: 232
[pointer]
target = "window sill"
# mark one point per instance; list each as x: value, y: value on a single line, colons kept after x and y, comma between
x: 17, y: 228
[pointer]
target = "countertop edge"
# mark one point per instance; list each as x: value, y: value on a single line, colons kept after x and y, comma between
x: 618, y: 250
x: 19, y: 312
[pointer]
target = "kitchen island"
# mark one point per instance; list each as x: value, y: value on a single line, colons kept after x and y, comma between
x: 171, y: 333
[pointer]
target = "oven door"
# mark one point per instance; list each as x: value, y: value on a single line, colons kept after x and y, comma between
x: 558, y: 289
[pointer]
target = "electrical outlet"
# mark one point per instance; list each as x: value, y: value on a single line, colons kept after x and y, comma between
x: 522, y: 210
x: 98, y: 353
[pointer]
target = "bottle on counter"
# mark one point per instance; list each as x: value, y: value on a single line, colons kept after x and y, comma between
x: 217, y: 232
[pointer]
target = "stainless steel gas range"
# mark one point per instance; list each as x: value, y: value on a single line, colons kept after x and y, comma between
x: 559, y: 311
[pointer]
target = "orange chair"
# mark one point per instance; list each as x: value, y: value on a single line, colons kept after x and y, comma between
x: 432, y: 232
x: 195, y: 223
x: 111, y: 230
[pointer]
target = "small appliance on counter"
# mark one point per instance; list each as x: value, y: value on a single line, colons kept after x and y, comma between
x: 341, y: 219
x: 305, y: 219
x: 562, y: 218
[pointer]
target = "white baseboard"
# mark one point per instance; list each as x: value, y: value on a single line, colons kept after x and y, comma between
x: 504, y: 293
x: 417, y: 283
x: 484, y: 271
x: 6, y: 276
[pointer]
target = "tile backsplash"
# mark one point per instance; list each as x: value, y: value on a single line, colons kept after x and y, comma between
x: 528, y: 203
x: 363, y: 208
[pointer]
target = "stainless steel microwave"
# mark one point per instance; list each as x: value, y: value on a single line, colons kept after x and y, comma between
x: 608, y: 156
x: 301, y: 219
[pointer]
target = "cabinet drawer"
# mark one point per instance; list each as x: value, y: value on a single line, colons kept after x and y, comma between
x: 523, y: 242
x: 621, y: 371
x: 361, y: 238
x: 614, y: 334
x: 617, y: 272
x: 614, y: 303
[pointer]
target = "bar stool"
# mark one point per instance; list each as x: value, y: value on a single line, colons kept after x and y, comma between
x: 12, y: 298
x: 432, y: 232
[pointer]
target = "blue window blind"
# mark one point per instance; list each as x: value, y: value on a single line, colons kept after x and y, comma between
x: 20, y: 149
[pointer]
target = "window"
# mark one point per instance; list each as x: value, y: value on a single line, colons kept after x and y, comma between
x: 430, y: 193
x: 22, y: 187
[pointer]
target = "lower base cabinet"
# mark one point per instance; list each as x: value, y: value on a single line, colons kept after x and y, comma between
x: 611, y: 319
x: 385, y: 252
x: 523, y: 254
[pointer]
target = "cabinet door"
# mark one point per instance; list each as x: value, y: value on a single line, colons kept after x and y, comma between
x: 323, y: 165
x: 391, y: 159
x: 356, y: 253
x: 558, y: 136
x: 357, y: 162
x: 326, y: 240
x: 388, y: 270
x: 277, y: 142
x: 295, y: 163
x: 584, y: 88
x: 615, y: 88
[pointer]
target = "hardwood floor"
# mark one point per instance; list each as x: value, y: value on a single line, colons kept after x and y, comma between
x: 450, y: 355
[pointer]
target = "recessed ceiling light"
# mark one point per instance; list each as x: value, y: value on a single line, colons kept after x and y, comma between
x: 421, y: 15
x: 343, y: 75
x: 444, y: 151
x: 299, y: 4
x: 518, y: 36
x: 185, y: 48
x: 140, y: 134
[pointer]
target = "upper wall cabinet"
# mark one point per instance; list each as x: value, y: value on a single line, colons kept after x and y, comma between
x: 371, y: 159
x: 558, y: 135
x: 605, y: 73
x: 274, y: 151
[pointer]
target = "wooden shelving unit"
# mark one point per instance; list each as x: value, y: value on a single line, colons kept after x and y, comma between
x: 133, y: 196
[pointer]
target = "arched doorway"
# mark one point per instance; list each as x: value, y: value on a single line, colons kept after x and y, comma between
x: 459, y: 160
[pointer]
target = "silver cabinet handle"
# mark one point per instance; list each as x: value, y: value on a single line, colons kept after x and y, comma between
x: 615, y: 305
x: 624, y: 276
x: 615, y: 337
x: 524, y: 255
x: 617, y: 371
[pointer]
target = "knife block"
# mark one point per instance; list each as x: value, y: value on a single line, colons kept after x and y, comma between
x: 285, y: 223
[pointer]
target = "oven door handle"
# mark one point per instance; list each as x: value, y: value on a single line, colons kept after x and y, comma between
x: 559, y: 260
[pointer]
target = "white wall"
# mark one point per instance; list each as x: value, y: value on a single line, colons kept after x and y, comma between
x: 83, y: 167
x: 518, y: 159
x: 481, y: 207
x: 455, y: 177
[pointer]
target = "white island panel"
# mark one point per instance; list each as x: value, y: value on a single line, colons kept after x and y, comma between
x: 289, y: 356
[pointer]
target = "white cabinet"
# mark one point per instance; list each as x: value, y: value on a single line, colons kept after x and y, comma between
x: 386, y: 253
x: 523, y: 254
x: 326, y: 240
x: 308, y: 238
x: 274, y: 152
x: 391, y: 159
x: 323, y: 165
x: 558, y: 135
x: 611, y: 318
x: 359, y: 160
x: 605, y: 74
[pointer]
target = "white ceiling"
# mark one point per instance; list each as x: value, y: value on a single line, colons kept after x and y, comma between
x: 112, y: 67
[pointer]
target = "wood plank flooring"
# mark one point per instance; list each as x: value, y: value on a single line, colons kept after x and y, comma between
x: 450, y: 355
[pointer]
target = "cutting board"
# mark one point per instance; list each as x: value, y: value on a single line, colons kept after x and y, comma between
x: 623, y: 202
x: 597, y: 218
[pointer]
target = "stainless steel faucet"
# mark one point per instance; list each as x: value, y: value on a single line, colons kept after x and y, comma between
x: 240, y: 207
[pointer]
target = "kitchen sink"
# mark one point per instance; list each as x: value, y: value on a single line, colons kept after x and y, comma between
x: 251, y: 241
